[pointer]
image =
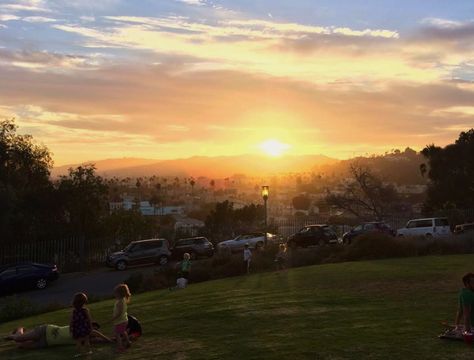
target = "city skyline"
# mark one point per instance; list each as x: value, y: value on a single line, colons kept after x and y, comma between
x: 176, y: 79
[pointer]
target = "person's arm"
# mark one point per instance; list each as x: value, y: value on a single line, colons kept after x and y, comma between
x: 89, y: 319
x: 119, y: 311
x: 459, y: 316
x: 97, y: 336
x: 70, y: 322
x: 467, y: 317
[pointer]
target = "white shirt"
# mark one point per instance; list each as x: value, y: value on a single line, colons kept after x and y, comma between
x: 247, y: 254
x: 181, y: 283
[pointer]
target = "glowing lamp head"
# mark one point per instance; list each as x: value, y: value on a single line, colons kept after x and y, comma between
x: 265, y: 192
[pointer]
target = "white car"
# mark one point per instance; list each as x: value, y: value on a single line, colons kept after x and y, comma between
x: 254, y: 240
x: 429, y: 228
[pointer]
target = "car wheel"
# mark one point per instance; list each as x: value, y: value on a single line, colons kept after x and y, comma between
x: 258, y: 245
x: 292, y: 245
x: 163, y: 260
x: 192, y: 255
x: 428, y: 236
x: 121, y: 265
x: 321, y: 242
x: 41, y: 283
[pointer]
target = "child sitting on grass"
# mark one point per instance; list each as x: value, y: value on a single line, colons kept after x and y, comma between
x: 81, y: 324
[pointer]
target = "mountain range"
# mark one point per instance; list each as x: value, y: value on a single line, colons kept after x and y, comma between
x: 212, y: 167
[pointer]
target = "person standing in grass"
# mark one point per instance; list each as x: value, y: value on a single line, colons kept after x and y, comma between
x: 281, y: 257
x: 81, y: 324
x: 465, y: 314
x: 186, y: 266
x: 120, y: 316
x: 247, y: 258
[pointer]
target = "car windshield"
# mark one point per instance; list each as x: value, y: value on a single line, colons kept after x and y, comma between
x: 328, y: 231
x: 128, y: 247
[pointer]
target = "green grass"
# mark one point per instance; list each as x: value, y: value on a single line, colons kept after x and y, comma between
x: 388, y: 309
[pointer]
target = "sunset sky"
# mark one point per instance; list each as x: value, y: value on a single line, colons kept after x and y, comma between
x: 176, y: 78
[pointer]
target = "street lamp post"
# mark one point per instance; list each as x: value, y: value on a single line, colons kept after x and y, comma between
x: 265, y: 198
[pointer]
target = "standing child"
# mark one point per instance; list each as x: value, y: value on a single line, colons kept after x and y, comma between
x: 120, y: 317
x: 80, y: 324
x: 186, y: 266
x: 281, y: 257
x: 247, y: 258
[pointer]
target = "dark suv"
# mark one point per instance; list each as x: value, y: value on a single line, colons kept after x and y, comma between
x: 26, y: 276
x: 369, y: 227
x: 312, y: 235
x: 141, y: 252
x: 196, y: 246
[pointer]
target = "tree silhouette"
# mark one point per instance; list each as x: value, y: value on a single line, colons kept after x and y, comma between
x: 451, y: 173
x: 365, y: 195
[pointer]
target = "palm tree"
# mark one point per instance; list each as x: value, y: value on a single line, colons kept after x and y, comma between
x: 192, y: 183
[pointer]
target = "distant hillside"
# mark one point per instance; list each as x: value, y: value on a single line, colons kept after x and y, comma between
x: 401, y: 167
x: 104, y: 166
x: 218, y: 167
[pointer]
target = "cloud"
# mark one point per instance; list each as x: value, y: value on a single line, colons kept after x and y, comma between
x: 193, y: 2
x: 38, y: 19
x: 26, y: 6
x: 152, y: 105
x: 8, y: 17
x: 260, y: 46
x: 43, y: 60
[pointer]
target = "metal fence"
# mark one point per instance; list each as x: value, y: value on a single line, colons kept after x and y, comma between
x: 69, y: 254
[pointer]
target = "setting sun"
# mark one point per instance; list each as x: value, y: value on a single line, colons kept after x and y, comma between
x: 274, y: 147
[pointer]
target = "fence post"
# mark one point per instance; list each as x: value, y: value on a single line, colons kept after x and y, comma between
x: 82, y: 254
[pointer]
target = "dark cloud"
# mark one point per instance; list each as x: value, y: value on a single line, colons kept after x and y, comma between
x: 339, y: 43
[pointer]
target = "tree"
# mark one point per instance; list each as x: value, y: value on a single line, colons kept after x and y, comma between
x: 84, y: 197
x: 364, y: 195
x: 129, y: 225
x: 219, y: 222
x: 301, y: 202
x: 25, y: 189
x: 451, y: 173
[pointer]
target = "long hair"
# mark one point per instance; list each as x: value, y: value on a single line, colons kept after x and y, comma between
x: 79, y: 300
x: 123, y: 291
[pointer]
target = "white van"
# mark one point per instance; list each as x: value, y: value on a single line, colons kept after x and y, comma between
x: 429, y: 227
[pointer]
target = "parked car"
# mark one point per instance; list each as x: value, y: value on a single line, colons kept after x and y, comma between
x: 140, y: 252
x: 312, y: 235
x: 365, y: 228
x: 429, y: 227
x: 254, y: 240
x: 196, y: 246
x: 463, y: 228
x: 26, y: 276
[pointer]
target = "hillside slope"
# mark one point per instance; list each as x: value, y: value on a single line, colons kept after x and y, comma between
x: 387, y: 309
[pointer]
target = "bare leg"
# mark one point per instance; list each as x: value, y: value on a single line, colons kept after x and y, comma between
x: 21, y: 336
x: 120, y: 346
x: 126, y: 339
x: 28, y: 345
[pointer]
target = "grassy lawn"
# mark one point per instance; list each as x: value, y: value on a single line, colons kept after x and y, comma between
x: 388, y: 309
